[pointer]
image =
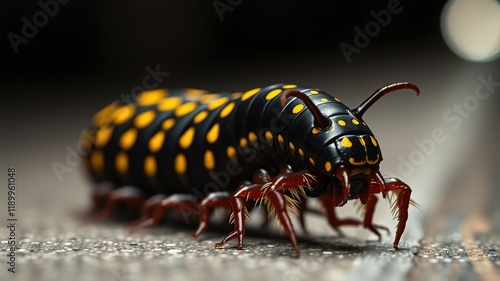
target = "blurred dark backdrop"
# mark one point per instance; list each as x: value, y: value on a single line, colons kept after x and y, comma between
x: 119, y: 38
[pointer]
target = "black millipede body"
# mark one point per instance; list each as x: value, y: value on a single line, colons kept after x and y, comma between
x: 280, y: 143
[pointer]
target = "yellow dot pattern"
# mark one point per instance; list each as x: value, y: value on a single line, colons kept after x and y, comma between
x: 314, y: 92
x: 311, y: 161
x: 144, y: 119
x: 315, y: 131
x: 127, y: 140
x: 271, y: 95
x: 296, y: 109
x: 346, y: 143
x: 156, y: 142
x: 269, y: 137
x: 231, y: 152
x: 187, y: 138
x: 102, y: 136
x: 355, y: 122
x: 362, y: 141
x: 301, y: 153
x: 217, y: 103
x: 289, y: 86
x: 151, y: 97
x: 209, y: 160
x: 252, y: 137
x: 247, y: 95
x: 180, y: 164
x: 167, y: 124
x: 281, y: 141
x: 121, y: 162
x: 97, y: 160
x: 209, y: 98
x: 213, y: 133
x: 185, y: 109
x: 227, y: 110
x: 200, y: 117
x: 374, y: 142
x: 328, y: 166
x: 123, y: 114
x: 243, y: 143
x: 150, y: 166
x: 324, y: 99
x: 341, y: 123
x: 292, y: 148
x: 169, y: 104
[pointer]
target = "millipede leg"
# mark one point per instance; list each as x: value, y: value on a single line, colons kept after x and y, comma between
x: 146, y: 211
x: 130, y: 195
x: 213, y: 200
x: 182, y: 202
x: 328, y: 201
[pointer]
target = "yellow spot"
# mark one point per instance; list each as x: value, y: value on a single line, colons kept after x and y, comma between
x: 312, y: 161
x: 252, y: 137
x: 328, y: 166
x: 193, y: 94
x: 337, y: 99
x: 227, y: 110
x: 341, y: 122
x: 169, y: 104
x: 144, y: 119
x: 272, y: 94
x: 292, y: 147
x: 346, y: 143
x: 243, y: 143
x: 281, y: 141
x: 103, y: 117
x: 97, y: 160
x: 185, y: 109
x: 156, y: 142
x: 180, y: 164
x: 289, y: 86
x: 355, y: 122
x: 231, y: 153
x: 200, y: 116
x: 123, y: 114
x: 324, y: 99
x: 314, y: 92
x: 269, y: 137
x: 128, y: 138
x: 213, y: 133
x: 301, y: 153
x: 296, y: 109
x: 373, y: 141
x: 150, y: 165
x: 121, y: 162
x: 209, y: 160
x: 103, y: 135
x: 374, y: 161
x: 362, y: 141
x: 209, y: 98
x: 167, y: 124
x: 217, y: 103
x: 236, y: 96
x: 187, y: 138
x: 151, y: 97
x: 315, y: 131
x: 249, y: 94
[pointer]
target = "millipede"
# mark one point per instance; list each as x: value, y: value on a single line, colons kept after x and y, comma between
x: 190, y: 149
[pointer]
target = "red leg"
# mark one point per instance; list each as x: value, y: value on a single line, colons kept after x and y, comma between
x: 401, y: 205
x: 367, y: 222
x: 146, y: 211
x: 183, y: 202
x: 273, y: 192
x: 329, y: 204
x: 129, y: 195
x: 214, y: 200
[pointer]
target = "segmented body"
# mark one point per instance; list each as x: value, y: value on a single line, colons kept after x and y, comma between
x: 190, y: 141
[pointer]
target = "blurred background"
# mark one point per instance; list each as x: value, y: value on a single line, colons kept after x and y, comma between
x: 61, y: 61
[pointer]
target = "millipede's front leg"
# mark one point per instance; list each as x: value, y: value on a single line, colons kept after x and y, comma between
x: 213, y: 200
x: 403, y: 201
